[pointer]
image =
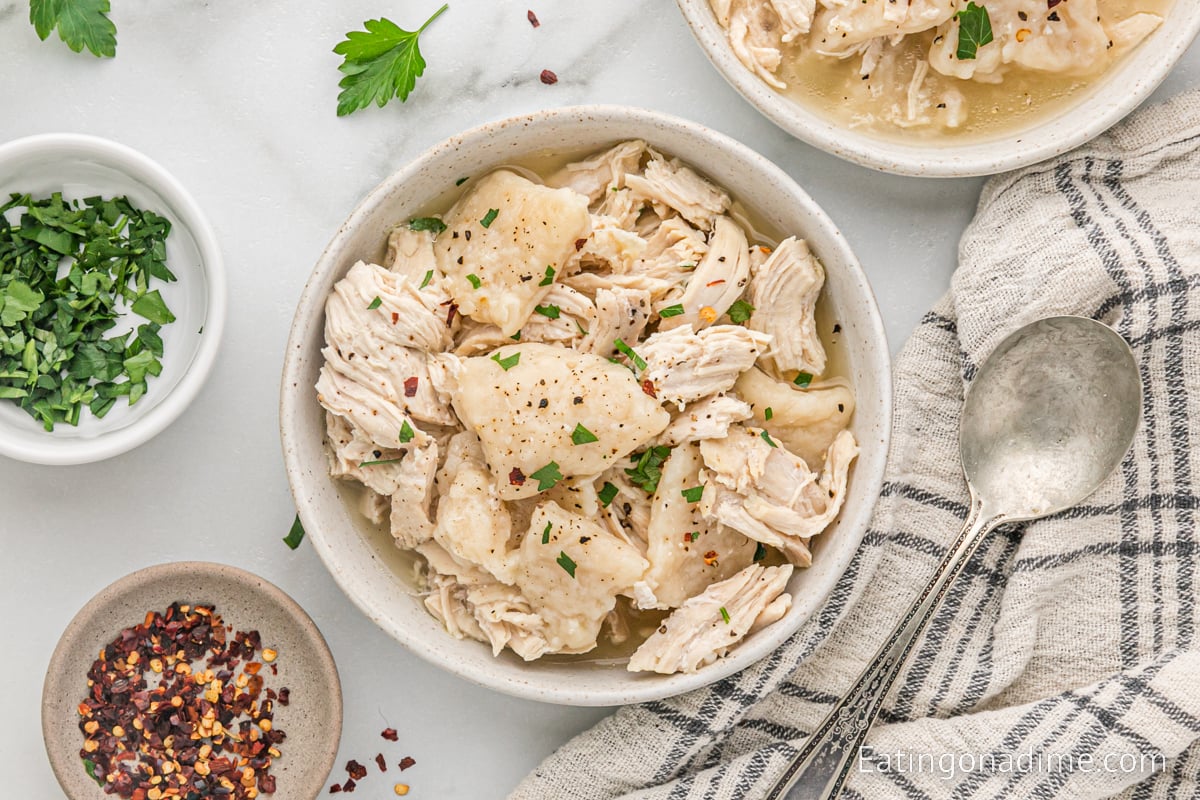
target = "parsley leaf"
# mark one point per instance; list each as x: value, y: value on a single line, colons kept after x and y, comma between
x: 376, y: 303
x: 548, y: 311
x: 381, y: 62
x: 546, y: 533
x: 766, y: 437
x: 671, y: 311
x: 725, y: 615
x: 739, y: 312
x: 295, y: 535
x: 425, y: 281
x: 549, y: 279
x: 489, y: 217
x: 647, y: 468
x: 607, y: 493
x: 582, y: 435
x: 378, y: 462
x: 547, y: 476
x: 406, y: 432
x: 566, y: 563
x: 693, y: 494
x: 803, y: 380
x: 768, y: 413
x: 760, y: 552
x: 507, y: 363
x: 974, y: 31
x: 473, y: 279
x: 426, y: 224
x: 628, y: 351
x: 80, y: 23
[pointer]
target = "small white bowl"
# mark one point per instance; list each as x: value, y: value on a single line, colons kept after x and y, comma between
x: 1081, y: 118
x: 366, y: 564
x: 82, y: 166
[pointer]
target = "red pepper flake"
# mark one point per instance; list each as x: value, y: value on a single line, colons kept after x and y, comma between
x: 549, y: 78
x: 532, y: 17
x: 516, y: 478
x: 407, y: 762
x: 648, y: 388
x: 285, y: 696
x: 335, y: 789
x: 349, y: 786
x: 410, y: 386
x: 382, y: 762
x: 710, y: 558
x: 450, y: 314
x: 356, y: 770
x: 715, y: 283
x: 390, y: 734
x: 579, y: 243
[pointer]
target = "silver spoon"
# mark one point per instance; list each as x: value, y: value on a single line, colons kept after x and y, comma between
x: 1050, y: 415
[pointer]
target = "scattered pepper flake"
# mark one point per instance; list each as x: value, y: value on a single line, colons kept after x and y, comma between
x: 406, y: 762
x: 390, y: 734
x: 648, y: 388
x: 548, y: 77
x: 532, y: 17
x: 381, y: 762
x: 710, y: 558
x: 410, y: 386
x: 516, y: 478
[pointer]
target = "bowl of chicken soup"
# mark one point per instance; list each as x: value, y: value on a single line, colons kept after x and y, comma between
x: 588, y: 406
x: 944, y: 88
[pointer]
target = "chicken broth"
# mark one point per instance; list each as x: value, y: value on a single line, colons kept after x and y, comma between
x: 513, y: 514
x: 916, y: 83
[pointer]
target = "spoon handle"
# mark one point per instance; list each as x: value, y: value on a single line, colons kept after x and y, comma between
x: 822, y: 765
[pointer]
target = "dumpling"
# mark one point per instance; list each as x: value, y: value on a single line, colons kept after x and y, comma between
x: 806, y: 421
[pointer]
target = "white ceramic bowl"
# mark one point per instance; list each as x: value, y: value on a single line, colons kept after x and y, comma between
x: 81, y: 166
x: 1080, y: 119
x: 365, y: 565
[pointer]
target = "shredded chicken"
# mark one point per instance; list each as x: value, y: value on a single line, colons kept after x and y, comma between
x: 784, y: 293
x: 683, y: 365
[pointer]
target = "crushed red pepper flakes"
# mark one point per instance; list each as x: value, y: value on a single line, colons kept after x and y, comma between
x: 516, y: 478
x: 134, y: 733
x: 382, y: 762
x: 407, y: 762
x: 410, y: 386
x: 356, y: 770
x: 390, y: 734
x: 548, y: 77
x: 532, y: 17
x: 335, y: 789
x: 579, y: 243
x: 648, y: 388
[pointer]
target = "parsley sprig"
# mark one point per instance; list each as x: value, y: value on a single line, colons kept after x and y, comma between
x: 381, y: 62
x: 974, y: 31
x: 80, y: 24
x: 647, y: 467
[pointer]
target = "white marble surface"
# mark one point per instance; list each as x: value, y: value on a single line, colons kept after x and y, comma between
x: 237, y: 99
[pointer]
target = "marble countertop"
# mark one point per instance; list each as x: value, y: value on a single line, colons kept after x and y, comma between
x: 238, y: 101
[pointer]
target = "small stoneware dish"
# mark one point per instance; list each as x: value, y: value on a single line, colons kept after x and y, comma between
x: 312, y: 719
x: 1083, y: 117
x: 82, y: 166
x: 365, y: 562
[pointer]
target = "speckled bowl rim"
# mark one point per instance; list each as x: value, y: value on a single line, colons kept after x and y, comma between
x: 310, y: 310
x: 1096, y: 109
x: 57, y: 681
x: 167, y: 408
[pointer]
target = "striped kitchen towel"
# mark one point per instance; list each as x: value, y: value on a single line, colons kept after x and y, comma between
x: 1065, y: 662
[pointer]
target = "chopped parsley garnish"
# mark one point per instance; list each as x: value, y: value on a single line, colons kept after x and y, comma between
x: 426, y: 224
x: 803, y: 380
x: 768, y: 414
x: 974, y: 31
x: 489, y: 217
x: 740, y: 311
x: 582, y: 330
x: 473, y: 279
x: 546, y: 533
x: 295, y: 535
x: 647, y: 468
x: 381, y: 62
x: 425, y: 281
x: 507, y: 363
x: 671, y: 311
x: 566, y: 563
x: 547, y: 476
x: 548, y: 311
x: 693, y: 494
x: 725, y: 615
x: 549, y: 279
x: 694, y: 535
x: 380, y: 461
x: 516, y: 337
x: 760, y: 551
x: 582, y: 435
x: 80, y: 23
x: 461, y: 181
x: 607, y: 493
x: 376, y: 303
x: 630, y: 354
x: 766, y: 437
x: 406, y: 432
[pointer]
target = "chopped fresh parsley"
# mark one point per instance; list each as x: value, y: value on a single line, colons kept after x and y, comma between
x: 671, y: 311
x: 295, y: 535
x: 489, y: 217
x: 516, y: 337
x: 80, y: 23
x: 566, y: 563
x: 406, y: 432
x: 547, y: 476
x: 766, y: 437
x: 582, y: 435
x: 740, y: 311
x: 582, y: 330
x: 461, y: 181
x: 647, y: 467
x: 376, y: 303
x: 507, y: 363
x: 548, y: 311
x: 629, y: 353
x: 693, y: 494
x: 768, y: 414
x: 546, y: 533
x: 473, y: 279
x: 549, y: 279
x: 426, y: 224
x: 803, y: 380
x: 380, y: 63
x: 380, y: 461
x: 974, y: 31
x: 607, y: 493
x: 725, y: 615
x: 760, y: 551
x: 425, y: 281
x: 694, y: 535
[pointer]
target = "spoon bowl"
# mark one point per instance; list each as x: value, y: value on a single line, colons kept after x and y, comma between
x: 1049, y: 416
